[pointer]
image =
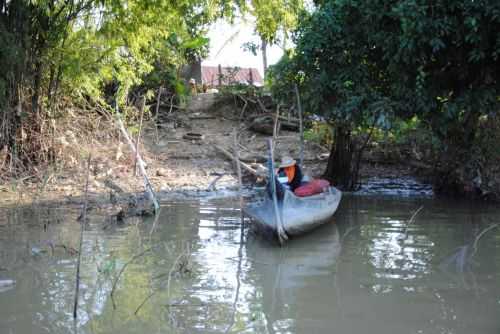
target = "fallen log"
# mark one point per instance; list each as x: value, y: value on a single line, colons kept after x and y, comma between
x: 252, y: 158
x: 242, y: 164
x: 201, y: 117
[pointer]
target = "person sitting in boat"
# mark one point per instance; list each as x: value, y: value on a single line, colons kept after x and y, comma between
x: 288, y: 176
x: 289, y: 173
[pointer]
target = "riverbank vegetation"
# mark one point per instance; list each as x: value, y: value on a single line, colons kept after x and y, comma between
x: 433, y: 67
x: 61, y: 57
x: 417, y: 82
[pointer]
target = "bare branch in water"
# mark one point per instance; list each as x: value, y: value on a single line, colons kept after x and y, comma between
x: 178, y: 265
x: 83, y: 222
x: 123, y: 269
x: 144, y: 302
x: 480, y: 235
x: 460, y: 258
x: 187, y: 254
x: 412, y: 219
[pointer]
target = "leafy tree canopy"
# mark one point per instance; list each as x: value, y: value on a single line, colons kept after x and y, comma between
x: 275, y: 15
x: 438, y: 59
x: 361, y: 61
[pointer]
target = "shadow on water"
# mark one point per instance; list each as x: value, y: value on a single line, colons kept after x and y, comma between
x: 194, y: 270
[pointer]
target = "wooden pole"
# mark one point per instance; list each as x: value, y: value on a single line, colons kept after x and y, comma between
x: 157, y: 110
x: 276, y: 124
x: 82, y: 227
x: 237, y: 160
x: 282, y: 237
x: 236, y: 149
x: 220, y: 75
x: 301, y: 129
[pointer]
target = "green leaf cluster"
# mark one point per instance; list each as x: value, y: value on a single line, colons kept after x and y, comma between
x: 359, y: 62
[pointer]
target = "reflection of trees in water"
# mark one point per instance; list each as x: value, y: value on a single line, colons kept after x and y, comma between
x: 358, y: 275
x: 396, y: 276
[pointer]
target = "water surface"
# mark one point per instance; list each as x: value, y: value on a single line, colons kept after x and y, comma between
x: 195, y: 270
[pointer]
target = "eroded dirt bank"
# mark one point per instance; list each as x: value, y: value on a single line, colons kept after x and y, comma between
x: 179, y: 161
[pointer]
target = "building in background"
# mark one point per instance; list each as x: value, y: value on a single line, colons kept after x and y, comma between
x: 217, y: 76
x: 227, y: 45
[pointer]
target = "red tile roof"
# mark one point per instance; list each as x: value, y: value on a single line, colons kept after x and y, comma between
x: 230, y: 75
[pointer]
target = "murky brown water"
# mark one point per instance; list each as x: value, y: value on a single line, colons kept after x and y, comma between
x: 365, y: 273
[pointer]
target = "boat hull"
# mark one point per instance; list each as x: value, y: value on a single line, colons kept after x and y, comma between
x: 298, y: 214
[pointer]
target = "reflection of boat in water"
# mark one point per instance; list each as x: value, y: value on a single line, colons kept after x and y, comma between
x: 298, y: 214
x: 297, y: 281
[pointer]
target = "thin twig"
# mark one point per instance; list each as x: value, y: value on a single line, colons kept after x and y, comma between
x: 144, y: 302
x: 148, y: 297
x: 262, y: 106
x: 170, y: 272
x: 211, y: 186
x: 480, y: 235
x: 411, y: 221
x: 361, y: 150
x: 122, y: 270
x: 155, y: 222
x: 157, y: 109
x: 83, y: 222
x: 349, y: 230
x: 240, y: 250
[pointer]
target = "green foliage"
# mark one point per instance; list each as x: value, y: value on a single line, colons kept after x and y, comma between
x: 320, y: 133
x: 372, y: 63
x: 401, y: 129
x: 336, y: 76
x: 88, y: 51
x: 273, y: 16
x: 367, y: 61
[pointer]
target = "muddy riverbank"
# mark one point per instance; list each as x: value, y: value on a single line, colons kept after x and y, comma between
x: 178, y: 162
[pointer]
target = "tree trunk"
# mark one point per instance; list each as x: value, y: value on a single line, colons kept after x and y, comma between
x: 36, y: 89
x: 264, y: 55
x: 339, y: 168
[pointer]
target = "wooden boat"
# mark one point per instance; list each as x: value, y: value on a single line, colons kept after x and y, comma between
x: 292, y: 215
x: 296, y: 215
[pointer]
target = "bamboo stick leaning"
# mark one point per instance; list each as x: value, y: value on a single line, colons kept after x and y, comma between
x: 140, y: 163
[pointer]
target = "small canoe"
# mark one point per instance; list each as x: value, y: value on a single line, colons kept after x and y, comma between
x: 298, y: 214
